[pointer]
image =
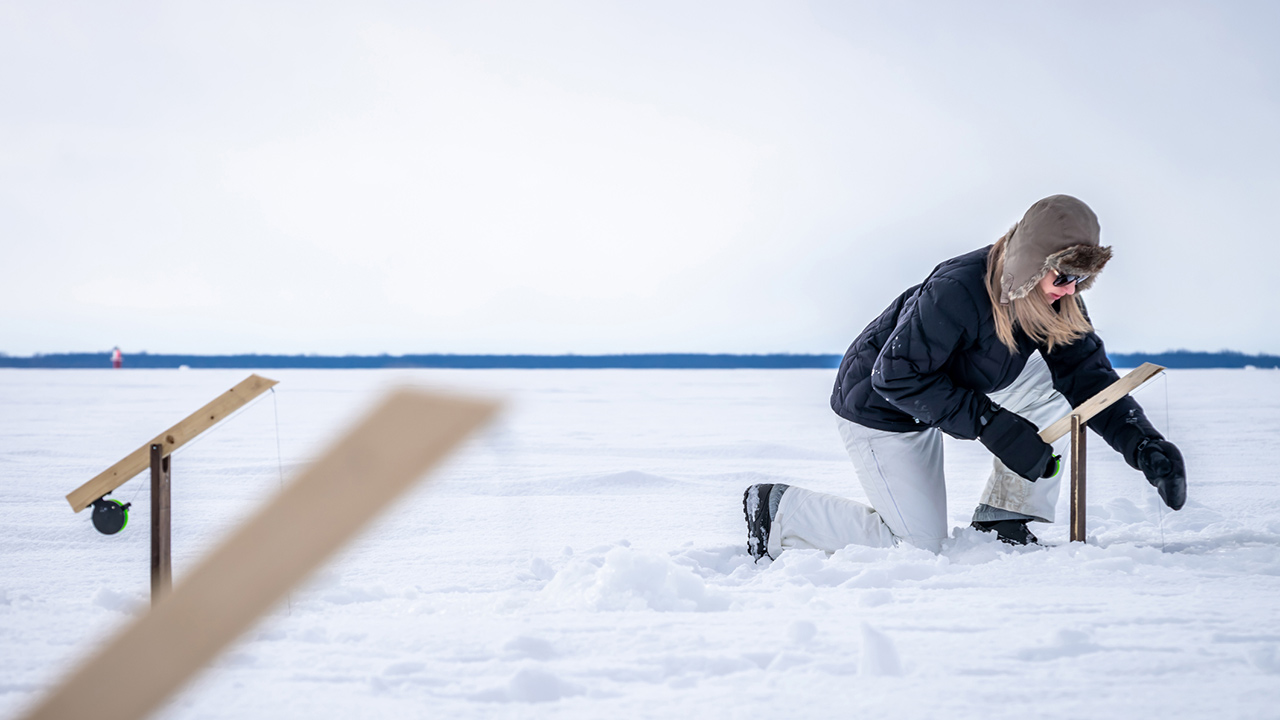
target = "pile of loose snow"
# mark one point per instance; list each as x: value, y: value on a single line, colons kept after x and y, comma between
x: 586, y: 558
x: 627, y: 579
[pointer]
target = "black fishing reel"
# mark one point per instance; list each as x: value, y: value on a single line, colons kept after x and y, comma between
x: 110, y: 516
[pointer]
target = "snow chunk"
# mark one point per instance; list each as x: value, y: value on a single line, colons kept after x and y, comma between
x: 541, y: 569
x: 532, y: 685
x: 630, y: 579
x: 879, y: 654
x: 118, y: 601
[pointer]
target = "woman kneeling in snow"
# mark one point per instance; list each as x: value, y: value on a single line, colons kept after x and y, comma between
x: 958, y: 354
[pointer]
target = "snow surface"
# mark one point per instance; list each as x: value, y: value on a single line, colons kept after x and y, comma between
x: 585, y: 557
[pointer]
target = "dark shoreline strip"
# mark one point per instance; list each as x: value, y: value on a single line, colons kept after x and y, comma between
x: 643, y: 361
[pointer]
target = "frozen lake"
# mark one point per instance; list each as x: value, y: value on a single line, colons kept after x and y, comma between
x: 585, y: 557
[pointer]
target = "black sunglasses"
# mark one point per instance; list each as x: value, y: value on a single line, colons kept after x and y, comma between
x: 1064, y: 279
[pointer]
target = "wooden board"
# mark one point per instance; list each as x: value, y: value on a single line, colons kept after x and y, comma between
x: 170, y: 440
x: 275, y: 550
x: 1079, y: 523
x: 1102, y: 400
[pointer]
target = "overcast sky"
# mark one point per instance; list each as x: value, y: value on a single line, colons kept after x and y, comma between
x: 591, y: 177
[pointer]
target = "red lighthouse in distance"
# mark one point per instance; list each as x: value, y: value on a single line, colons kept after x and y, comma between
x: 117, y: 360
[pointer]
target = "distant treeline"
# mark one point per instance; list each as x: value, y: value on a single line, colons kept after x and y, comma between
x: 672, y: 361
x: 689, y: 361
x: 1188, y: 359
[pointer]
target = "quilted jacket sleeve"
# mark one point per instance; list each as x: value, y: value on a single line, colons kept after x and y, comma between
x: 910, y: 371
x: 1080, y: 371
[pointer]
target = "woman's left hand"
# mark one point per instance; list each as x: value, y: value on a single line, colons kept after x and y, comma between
x: 1161, y: 461
x: 1015, y: 440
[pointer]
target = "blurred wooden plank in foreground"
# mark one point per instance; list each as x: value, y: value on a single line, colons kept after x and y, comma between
x: 276, y: 549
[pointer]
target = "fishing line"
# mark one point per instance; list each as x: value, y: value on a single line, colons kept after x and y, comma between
x: 1164, y: 380
x: 218, y: 427
x: 1169, y: 431
x: 135, y: 493
x: 275, y: 409
x: 202, y: 436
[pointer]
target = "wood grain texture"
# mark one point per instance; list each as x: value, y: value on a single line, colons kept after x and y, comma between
x: 173, y: 438
x: 1103, y: 400
x: 1079, y: 529
x: 273, y: 551
x: 161, y: 514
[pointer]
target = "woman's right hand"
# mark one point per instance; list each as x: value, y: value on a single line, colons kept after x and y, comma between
x: 1016, y: 441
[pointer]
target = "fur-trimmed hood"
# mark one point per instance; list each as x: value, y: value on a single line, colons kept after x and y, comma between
x: 1058, y: 233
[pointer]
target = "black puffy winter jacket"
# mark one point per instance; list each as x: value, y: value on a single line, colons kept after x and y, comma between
x: 932, y: 356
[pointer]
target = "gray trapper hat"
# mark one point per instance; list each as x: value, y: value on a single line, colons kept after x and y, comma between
x: 1058, y: 233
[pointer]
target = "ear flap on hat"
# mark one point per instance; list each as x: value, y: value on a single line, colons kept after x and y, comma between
x: 1079, y: 260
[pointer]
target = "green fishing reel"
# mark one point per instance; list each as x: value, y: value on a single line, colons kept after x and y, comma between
x: 1054, y: 467
x: 110, y: 516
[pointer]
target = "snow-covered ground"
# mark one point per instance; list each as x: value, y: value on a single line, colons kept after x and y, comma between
x: 585, y: 557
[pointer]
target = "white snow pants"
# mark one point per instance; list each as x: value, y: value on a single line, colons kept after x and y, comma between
x: 902, y: 474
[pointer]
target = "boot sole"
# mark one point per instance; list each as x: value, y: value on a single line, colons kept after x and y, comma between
x: 757, y: 530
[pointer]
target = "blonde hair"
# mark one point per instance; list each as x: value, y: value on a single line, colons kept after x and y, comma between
x: 1032, y: 312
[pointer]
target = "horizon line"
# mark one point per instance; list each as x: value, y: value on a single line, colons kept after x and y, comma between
x: 1185, y: 359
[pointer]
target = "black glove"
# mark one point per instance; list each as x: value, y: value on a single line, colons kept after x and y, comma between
x: 1053, y: 467
x: 1017, y: 443
x: 1161, y: 462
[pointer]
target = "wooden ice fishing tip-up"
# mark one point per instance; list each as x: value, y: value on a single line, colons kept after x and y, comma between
x: 1074, y: 423
x: 156, y: 455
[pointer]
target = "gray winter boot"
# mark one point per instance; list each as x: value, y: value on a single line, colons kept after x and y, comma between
x: 760, y: 505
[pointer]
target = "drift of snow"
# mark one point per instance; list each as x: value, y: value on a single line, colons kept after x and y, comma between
x: 586, y: 557
x: 627, y: 579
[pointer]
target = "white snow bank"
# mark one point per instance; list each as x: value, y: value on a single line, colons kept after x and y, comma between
x: 629, y: 579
